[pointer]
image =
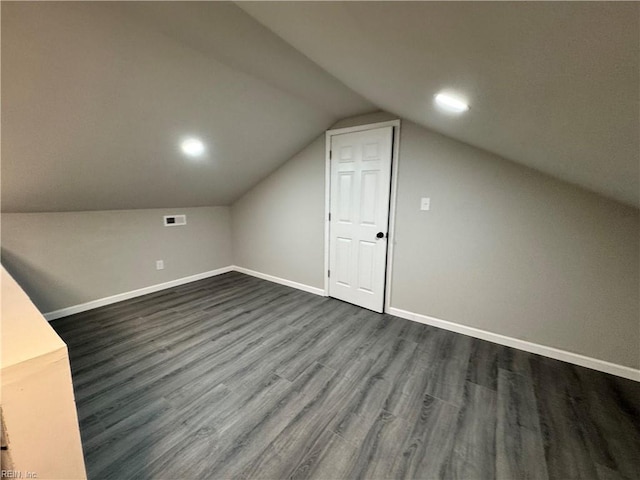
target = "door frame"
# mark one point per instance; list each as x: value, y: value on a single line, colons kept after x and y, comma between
x: 391, y: 239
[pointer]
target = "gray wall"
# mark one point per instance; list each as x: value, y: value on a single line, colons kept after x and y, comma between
x: 514, y: 252
x: 277, y: 227
x: 65, y: 259
x: 504, y: 248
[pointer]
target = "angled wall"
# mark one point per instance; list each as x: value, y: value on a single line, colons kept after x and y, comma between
x: 504, y: 249
x: 511, y: 251
x: 278, y: 227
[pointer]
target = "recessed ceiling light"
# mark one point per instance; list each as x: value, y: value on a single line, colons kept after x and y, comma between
x: 192, y: 147
x: 451, y: 103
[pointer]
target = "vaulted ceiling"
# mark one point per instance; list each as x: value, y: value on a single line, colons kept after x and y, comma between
x: 96, y: 96
x: 552, y: 85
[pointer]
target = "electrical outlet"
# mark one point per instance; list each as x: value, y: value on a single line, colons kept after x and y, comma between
x: 425, y: 203
x: 159, y: 264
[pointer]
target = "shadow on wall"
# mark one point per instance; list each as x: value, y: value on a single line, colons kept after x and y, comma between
x: 35, y: 282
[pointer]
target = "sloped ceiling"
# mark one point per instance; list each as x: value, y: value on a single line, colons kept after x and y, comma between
x: 552, y: 85
x: 96, y: 97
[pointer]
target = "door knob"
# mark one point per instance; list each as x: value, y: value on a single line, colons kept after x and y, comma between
x: 379, y: 235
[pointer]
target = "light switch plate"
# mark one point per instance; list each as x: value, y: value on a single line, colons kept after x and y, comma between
x: 159, y: 264
x: 425, y: 203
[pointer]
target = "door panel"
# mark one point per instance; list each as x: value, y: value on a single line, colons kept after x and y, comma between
x: 366, y: 266
x: 360, y: 187
x: 345, y: 197
x: 368, y: 204
x: 343, y: 261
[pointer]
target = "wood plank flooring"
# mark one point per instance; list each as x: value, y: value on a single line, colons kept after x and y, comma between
x: 236, y: 377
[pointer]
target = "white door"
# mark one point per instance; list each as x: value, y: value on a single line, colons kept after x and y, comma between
x: 360, y: 188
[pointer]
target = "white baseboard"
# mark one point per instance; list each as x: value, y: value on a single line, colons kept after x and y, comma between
x: 556, y: 353
x: 563, y: 355
x: 101, y: 302
x: 281, y: 281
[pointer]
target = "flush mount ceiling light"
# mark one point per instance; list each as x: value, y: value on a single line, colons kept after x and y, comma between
x: 451, y: 103
x: 192, y: 147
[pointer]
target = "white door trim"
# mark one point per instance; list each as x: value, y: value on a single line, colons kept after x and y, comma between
x: 392, y: 202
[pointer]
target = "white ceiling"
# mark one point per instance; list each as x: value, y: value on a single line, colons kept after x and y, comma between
x: 552, y: 85
x: 96, y: 96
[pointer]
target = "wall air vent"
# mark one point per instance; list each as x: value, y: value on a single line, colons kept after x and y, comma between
x: 175, y: 220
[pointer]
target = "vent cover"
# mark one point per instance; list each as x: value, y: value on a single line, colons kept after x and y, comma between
x: 175, y: 220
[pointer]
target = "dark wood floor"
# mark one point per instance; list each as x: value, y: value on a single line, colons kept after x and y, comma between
x: 235, y: 377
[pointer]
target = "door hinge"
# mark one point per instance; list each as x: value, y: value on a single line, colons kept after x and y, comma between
x: 329, y: 273
x: 329, y: 216
x: 330, y: 154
